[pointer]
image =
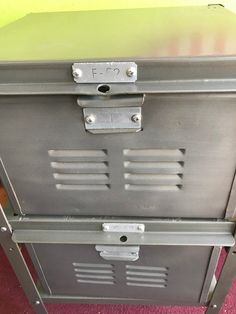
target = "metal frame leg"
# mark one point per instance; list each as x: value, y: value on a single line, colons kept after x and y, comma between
x: 227, y: 276
x: 17, y: 261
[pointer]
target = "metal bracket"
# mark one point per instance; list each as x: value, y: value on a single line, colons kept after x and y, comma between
x: 112, y: 113
x: 118, y: 253
x: 112, y: 120
x: 104, y: 72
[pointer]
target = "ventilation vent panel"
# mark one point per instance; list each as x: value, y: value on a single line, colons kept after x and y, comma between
x: 80, y: 169
x: 102, y: 274
x: 153, y: 169
x: 146, y: 276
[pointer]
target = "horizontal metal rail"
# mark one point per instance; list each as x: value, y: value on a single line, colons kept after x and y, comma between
x: 89, y: 231
x: 184, y: 75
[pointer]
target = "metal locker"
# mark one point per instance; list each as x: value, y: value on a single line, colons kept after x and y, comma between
x: 118, y: 155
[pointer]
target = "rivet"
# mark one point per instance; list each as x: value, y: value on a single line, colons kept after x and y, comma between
x: 214, y: 306
x: 131, y: 72
x: 90, y: 119
x: 106, y: 228
x: 3, y: 229
x: 141, y: 228
x: 136, y: 118
x: 37, y: 302
x: 77, y: 73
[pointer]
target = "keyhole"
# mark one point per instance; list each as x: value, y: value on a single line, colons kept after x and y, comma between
x: 103, y: 88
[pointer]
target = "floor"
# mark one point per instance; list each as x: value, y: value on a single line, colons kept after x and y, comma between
x: 13, y: 301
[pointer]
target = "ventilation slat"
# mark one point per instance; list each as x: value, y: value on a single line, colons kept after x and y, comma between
x: 147, y: 274
x: 82, y: 178
x: 80, y: 170
x: 154, y: 170
x: 151, y: 268
x: 78, y: 155
x: 154, y: 167
x: 87, y: 265
x: 145, y: 279
x: 81, y: 187
x: 135, y: 275
x: 160, y: 188
x: 153, y: 179
x: 81, y: 167
x: 154, y: 154
x: 96, y: 282
x: 145, y: 285
x: 94, y: 276
x: 94, y: 271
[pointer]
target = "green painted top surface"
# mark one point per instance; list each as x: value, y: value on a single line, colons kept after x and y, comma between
x: 118, y: 34
x: 12, y: 10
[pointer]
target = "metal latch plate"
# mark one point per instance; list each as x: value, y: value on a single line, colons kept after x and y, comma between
x: 112, y: 120
x: 118, y: 253
x: 104, y: 72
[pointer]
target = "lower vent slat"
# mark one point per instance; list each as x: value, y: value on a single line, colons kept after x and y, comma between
x: 136, y: 187
x: 81, y: 187
x: 128, y: 278
x: 94, y: 276
x: 81, y: 178
x: 100, y: 282
x: 155, y: 179
x: 145, y: 285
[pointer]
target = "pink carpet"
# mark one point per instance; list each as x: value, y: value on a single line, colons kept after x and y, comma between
x: 13, y: 301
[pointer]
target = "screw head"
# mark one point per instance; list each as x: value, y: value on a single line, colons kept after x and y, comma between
x: 11, y: 249
x: 136, y: 118
x: 141, y: 228
x: 3, y: 229
x: 37, y: 302
x: 131, y: 72
x: 77, y: 73
x: 214, y: 306
x: 90, y: 119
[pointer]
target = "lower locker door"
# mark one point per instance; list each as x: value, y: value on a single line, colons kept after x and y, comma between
x: 161, y: 274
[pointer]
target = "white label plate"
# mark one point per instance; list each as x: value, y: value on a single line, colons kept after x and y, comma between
x: 104, y: 72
